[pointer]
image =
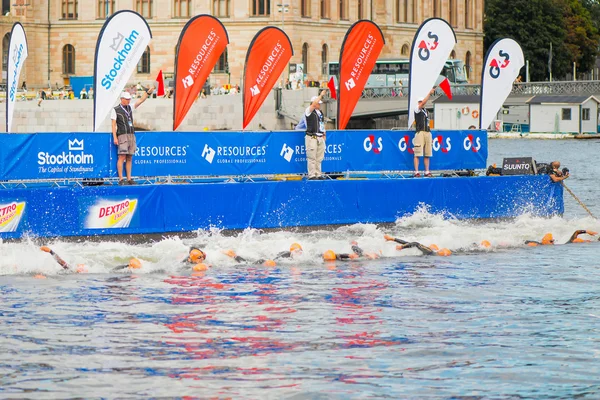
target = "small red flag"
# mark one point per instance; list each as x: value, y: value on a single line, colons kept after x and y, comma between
x: 331, y: 86
x: 445, y: 86
x: 161, y: 84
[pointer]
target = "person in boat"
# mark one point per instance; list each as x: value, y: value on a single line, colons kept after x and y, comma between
x: 548, y: 239
x: 357, y: 252
x: 133, y: 263
x: 295, y: 251
x: 432, y: 250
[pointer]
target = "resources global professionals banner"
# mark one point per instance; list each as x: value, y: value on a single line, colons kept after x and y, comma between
x: 267, y: 57
x: 201, y: 43
x: 360, y: 49
x: 121, y: 43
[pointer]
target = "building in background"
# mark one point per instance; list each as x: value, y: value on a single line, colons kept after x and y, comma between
x: 62, y: 34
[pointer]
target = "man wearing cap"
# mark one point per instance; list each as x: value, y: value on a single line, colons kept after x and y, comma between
x: 315, y: 137
x: 124, y: 133
x: 422, y: 141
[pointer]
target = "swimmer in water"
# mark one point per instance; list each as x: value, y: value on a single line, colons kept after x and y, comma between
x: 134, y: 263
x: 432, y: 250
x: 357, y: 252
x: 548, y: 239
x: 295, y: 251
x: 195, y: 259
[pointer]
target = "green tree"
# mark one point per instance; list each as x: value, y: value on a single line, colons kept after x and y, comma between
x: 534, y: 24
x: 582, y: 37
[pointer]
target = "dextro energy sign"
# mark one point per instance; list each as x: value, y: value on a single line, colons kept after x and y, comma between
x: 362, y: 45
x: 111, y: 214
x: 267, y: 57
x: 10, y: 216
x: 121, y: 43
x: 201, y: 43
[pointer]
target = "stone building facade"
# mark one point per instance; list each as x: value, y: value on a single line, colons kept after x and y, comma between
x: 62, y: 34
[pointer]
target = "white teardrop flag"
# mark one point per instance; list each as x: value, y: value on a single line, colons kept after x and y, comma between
x: 431, y: 47
x: 121, y: 43
x: 503, y: 63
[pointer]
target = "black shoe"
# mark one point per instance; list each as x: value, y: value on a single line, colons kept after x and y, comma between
x: 122, y: 182
x: 314, y: 178
x: 131, y: 182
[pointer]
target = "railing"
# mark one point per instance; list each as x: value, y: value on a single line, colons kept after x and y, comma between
x: 527, y: 88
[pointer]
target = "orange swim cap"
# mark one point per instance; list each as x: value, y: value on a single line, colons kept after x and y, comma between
x: 39, y: 276
x: 434, y: 246
x: 329, y: 255
x: 134, y: 263
x: 197, y: 255
x: 199, y: 267
x: 548, y: 239
x: 532, y: 244
x: 269, y: 263
x: 81, y: 268
x: 444, y: 252
x: 295, y: 247
x: 486, y: 244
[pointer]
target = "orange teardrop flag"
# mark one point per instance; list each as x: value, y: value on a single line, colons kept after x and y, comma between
x: 201, y: 43
x: 267, y: 57
x: 360, y: 49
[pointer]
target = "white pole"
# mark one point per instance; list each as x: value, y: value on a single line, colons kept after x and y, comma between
x: 527, y: 71
x: 574, y: 71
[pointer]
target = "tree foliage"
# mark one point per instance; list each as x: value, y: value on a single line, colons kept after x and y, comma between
x: 534, y: 24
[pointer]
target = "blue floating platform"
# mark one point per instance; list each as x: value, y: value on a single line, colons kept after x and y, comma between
x: 162, y: 208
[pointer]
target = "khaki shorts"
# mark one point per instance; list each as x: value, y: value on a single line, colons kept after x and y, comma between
x: 422, y: 144
x: 127, y: 144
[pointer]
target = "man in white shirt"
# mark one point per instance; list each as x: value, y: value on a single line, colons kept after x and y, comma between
x: 124, y: 133
x: 315, y: 137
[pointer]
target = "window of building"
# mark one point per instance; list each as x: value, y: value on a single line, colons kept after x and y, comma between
x: 360, y: 9
x: 305, y: 57
x: 437, y: 8
x: 415, y: 7
x: 453, y: 55
x: 105, y: 8
x: 343, y: 9
x: 405, y: 50
x: 68, y: 65
x: 261, y: 7
x: 325, y: 8
x: 402, y: 10
x: 222, y: 65
x: 585, y: 114
x: 324, y: 61
x: 69, y: 9
x: 181, y: 8
x: 143, y: 66
x: 468, y: 19
x: 6, y: 6
x: 305, y: 8
x: 144, y: 7
x: 566, y: 114
x: 468, y: 64
x: 452, y: 12
x: 221, y: 8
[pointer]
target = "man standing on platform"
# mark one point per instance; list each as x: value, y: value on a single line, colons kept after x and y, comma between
x: 315, y: 137
x: 422, y: 141
x: 124, y: 133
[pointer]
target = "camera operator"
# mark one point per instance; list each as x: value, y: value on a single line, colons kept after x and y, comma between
x: 557, y: 175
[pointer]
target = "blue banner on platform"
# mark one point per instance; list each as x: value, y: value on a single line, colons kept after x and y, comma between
x: 93, y: 155
x: 144, y: 209
x: 54, y: 156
